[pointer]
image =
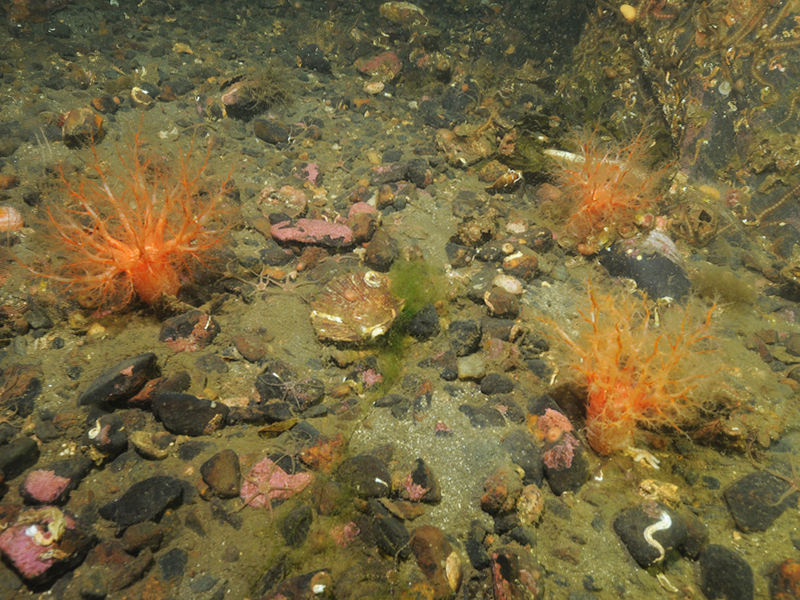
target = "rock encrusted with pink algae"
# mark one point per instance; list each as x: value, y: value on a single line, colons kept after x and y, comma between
x: 559, y: 456
x: 267, y: 481
x: 45, y: 485
x: 42, y: 543
x: 313, y: 231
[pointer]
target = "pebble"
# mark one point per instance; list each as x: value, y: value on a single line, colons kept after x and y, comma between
x: 524, y: 453
x: 122, y: 381
x: 190, y: 331
x: 421, y: 484
x: 431, y: 550
x: 365, y: 475
x: 424, y: 324
x: 464, y: 337
x: 52, y: 484
x: 145, y: 500
x: 483, y: 416
x: 501, y: 491
x: 516, y: 574
x: 757, y: 499
x: 152, y: 446
x: 108, y: 435
x: 389, y: 533
x: 271, y: 131
x: 496, y: 383
x: 295, y: 526
x: 185, y: 414
x: 725, y: 575
x: 313, y: 58
x: 662, y: 525
x: 223, y: 474
x: 472, y: 367
x: 502, y: 303
x: 172, y: 563
x: 381, y: 251
x: 16, y: 456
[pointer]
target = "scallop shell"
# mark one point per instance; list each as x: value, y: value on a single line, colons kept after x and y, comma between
x: 356, y: 307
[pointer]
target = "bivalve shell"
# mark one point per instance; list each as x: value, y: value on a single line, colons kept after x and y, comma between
x: 356, y: 307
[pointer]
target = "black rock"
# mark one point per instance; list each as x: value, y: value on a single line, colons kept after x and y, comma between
x: 271, y: 131
x: 419, y: 172
x: 524, y: 453
x: 108, y: 434
x: 482, y: 416
x: 185, y: 414
x: 295, y: 526
x: 653, y: 273
x: 423, y: 477
x: 644, y: 528
x: 391, y: 536
x: 190, y: 331
x: 475, y: 548
x: 424, y: 324
x: 757, y: 499
x: 495, y: 383
x: 173, y: 563
x: 465, y: 337
x: 458, y: 255
x: 366, y: 475
x: 313, y: 58
x: 381, y: 251
x: 52, y: 484
x: 565, y: 466
x: 122, y: 381
x: 17, y: 456
x: 145, y: 500
x: 514, y: 569
x: 725, y: 575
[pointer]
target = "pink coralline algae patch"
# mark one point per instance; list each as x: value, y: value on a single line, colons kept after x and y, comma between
x: 266, y: 481
x: 345, y: 534
x: 313, y: 231
x: 414, y: 490
x: 384, y: 66
x: 559, y: 456
x: 552, y: 419
x: 30, y: 543
x: 45, y: 485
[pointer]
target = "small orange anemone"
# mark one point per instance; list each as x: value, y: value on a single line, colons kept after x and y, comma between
x: 609, y: 189
x: 134, y: 232
x: 636, y: 372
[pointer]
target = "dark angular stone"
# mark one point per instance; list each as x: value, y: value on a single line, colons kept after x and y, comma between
x: 145, y: 500
x: 482, y: 416
x: 632, y: 525
x: 122, y: 381
x: 391, y: 536
x: 190, y: 331
x: 757, y: 499
x: 296, y: 525
x: 381, y: 251
x: 223, y: 474
x: 653, y: 273
x: 17, y: 456
x: 465, y: 337
x: 725, y: 575
x: 424, y: 324
x: 173, y: 563
x: 313, y: 58
x: 524, y: 453
x: 109, y: 435
x: 185, y: 414
x: 495, y: 383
